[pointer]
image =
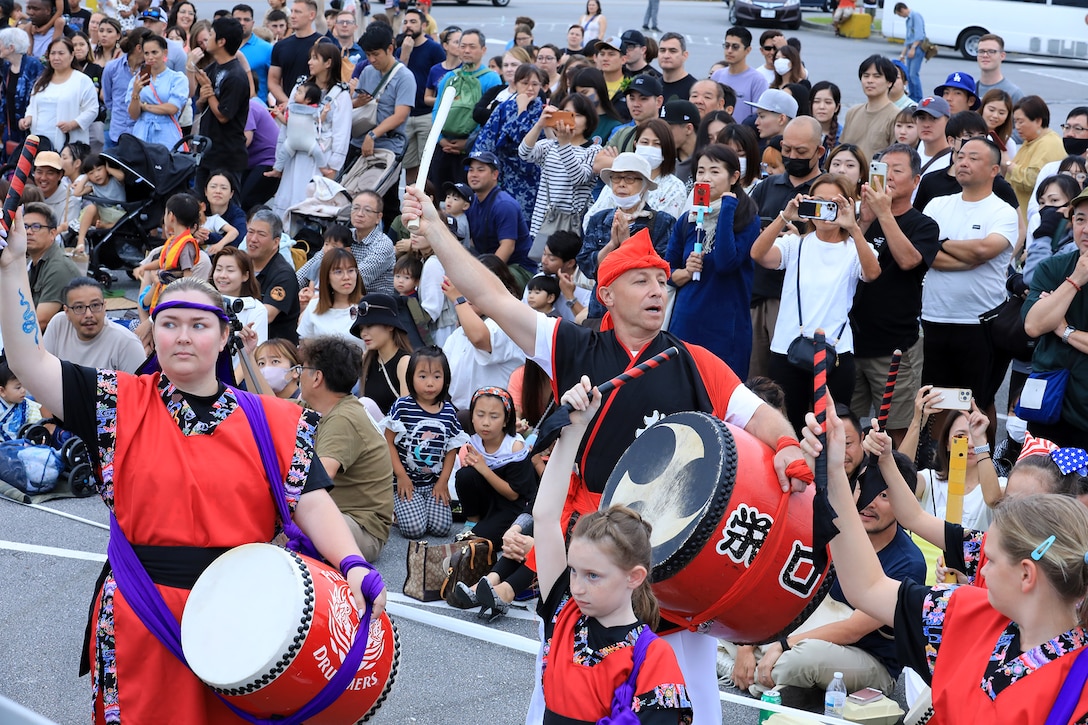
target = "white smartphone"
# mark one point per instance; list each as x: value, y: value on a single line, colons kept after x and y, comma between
x: 954, y: 398
x: 878, y: 175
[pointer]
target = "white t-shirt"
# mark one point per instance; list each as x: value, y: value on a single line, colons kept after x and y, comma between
x: 331, y: 322
x: 832, y: 271
x: 959, y: 297
x: 433, y: 300
x: 115, y: 348
x: 472, y: 368
x: 976, y: 514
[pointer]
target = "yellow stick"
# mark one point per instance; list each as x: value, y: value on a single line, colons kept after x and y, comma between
x: 957, y: 477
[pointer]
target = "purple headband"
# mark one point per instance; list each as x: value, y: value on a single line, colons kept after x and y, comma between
x: 187, y: 305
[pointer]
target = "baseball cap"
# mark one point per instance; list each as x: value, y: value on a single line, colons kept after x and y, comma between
x: 645, y: 84
x: 461, y: 190
x: 610, y: 42
x: 1076, y: 201
x: 933, y: 106
x: 153, y: 14
x: 484, y: 157
x: 632, y: 37
x: 963, y: 82
x: 50, y: 159
x: 776, y: 101
x: 679, y: 111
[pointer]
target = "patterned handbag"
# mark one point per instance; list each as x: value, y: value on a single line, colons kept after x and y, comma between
x: 428, y: 565
x: 472, y: 559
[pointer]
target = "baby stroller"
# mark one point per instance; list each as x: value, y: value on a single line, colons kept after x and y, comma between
x: 39, y: 462
x: 153, y: 173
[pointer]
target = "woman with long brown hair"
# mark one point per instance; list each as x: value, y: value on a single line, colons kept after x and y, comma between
x: 385, y: 364
x: 64, y: 103
x: 332, y: 311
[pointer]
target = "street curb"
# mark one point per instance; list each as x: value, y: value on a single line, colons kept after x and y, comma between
x: 819, y: 27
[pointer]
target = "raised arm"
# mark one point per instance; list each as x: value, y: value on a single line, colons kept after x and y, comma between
x: 476, y: 283
x: 38, y: 370
x: 551, y: 550
x: 860, y: 574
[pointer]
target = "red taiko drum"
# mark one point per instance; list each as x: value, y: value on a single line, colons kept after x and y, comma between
x: 732, y: 554
x: 267, y: 628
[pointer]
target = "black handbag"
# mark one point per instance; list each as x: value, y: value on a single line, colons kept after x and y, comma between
x: 1004, y: 325
x: 802, y: 350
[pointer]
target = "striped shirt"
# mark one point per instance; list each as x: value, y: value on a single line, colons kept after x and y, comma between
x: 375, y: 257
x: 566, y: 177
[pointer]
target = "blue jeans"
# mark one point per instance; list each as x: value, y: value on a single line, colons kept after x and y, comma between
x: 914, y: 79
x: 650, y: 19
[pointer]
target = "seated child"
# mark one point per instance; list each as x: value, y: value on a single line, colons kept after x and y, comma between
x: 458, y: 200
x: 180, y: 253
x: 406, y: 273
x: 101, y: 182
x: 216, y: 224
x: 541, y: 294
x: 559, y: 260
x: 15, y: 410
x: 299, y: 134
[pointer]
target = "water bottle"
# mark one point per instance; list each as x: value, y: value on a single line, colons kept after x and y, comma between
x: 835, y: 697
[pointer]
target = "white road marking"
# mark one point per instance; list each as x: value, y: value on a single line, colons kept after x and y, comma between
x: 51, y: 551
x: 73, y: 517
x: 1058, y: 77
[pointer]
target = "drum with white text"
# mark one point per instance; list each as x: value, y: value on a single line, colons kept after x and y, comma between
x: 732, y: 553
x: 267, y: 628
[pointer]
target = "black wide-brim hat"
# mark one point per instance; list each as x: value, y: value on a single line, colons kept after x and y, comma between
x: 377, y: 309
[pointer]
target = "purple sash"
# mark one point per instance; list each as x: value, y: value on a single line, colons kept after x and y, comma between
x: 1069, y: 695
x: 146, y: 601
x: 622, y: 714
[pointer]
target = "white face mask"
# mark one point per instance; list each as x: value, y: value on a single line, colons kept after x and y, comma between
x: 627, y: 202
x: 652, y: 154
x: 782, y: 66
x: 743, y: 166
x: 1016, y: 428
x: 275, y: 377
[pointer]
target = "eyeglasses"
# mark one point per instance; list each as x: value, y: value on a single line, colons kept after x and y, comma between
x: 732, y: 46
x: 626, y: 178
x: 36, y: 227
x: 297, y: 369
x: 344, y: 271
x: 81, y: 309
x: 1074, y: 129
x: 987, y: 52
x: 364, y: 210
x: 345, y: 22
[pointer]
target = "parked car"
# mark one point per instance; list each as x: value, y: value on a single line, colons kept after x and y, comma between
x: 766, y: 12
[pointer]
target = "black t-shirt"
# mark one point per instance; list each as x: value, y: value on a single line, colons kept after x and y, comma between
x: 80, y: 416
x: 79, y: 19
x: 771, y: 196
x: 678, y: 90
x: 228, y: 149
x: 885, y: 312
x: 292, y: 55
x: 939, y: 183
x: 279, y: 288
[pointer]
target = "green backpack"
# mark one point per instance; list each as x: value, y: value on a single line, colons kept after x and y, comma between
x: 459, y: 123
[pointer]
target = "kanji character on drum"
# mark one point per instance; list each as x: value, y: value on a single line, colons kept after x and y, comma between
x: 631, y: 283
x: 601, y: 655
x: 181, y: 471
x: 1011, y: 653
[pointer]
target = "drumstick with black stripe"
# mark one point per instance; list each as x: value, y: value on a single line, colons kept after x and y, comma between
x: 18, y: 180
x: 551, y: 426
x: 889, y: 390
x: 819, y: 402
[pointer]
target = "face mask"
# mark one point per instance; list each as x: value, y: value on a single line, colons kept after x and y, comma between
x: 743, y: 166
x: 798, y: 167
x: 1075, y: 146
x: 782, y: 66
x: 626, y: 202
x: 1016, y: 428
x: 650, y: 153
x: 275, y: 377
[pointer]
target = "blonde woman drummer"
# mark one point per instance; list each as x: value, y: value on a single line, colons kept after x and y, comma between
x: 146, y: 434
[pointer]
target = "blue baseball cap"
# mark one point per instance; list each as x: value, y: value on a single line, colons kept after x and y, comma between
x: 960, y: 81
x: 484, y: 157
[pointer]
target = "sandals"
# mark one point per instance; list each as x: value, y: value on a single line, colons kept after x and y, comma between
x: 492, y: 607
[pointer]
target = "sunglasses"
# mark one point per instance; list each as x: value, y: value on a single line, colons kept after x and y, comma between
x: 363, y: 309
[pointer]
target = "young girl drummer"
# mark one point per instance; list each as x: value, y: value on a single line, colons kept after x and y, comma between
x: 596, y: 603
x: 1002, y: 655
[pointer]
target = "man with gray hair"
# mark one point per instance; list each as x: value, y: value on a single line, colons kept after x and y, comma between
x: 886, y: 310
x: 279, y: 288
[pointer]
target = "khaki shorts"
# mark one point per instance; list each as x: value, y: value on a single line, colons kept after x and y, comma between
x: 417, y: 129
x: 368, y: 544
x: 870, y: 377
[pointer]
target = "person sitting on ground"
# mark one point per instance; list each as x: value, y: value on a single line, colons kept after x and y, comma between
x: 180, y: 253
x: 385, y: 364
x: 277, y: 362
x: 350, y: 448
x: 16, y: 410
x: 84, y: 336
x: 333, y: 311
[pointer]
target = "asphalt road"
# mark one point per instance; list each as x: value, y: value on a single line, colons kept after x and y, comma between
x: 452, y: 669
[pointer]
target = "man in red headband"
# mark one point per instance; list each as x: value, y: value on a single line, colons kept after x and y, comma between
x: 632, y: 285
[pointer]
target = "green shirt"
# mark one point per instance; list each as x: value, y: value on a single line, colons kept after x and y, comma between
x: 1053, y: 354
x: 364, y: 485
x: 51, y: 275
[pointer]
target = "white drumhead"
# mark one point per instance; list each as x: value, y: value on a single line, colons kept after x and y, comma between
x: 242, y: 615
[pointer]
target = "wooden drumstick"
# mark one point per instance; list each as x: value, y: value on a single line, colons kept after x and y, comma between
x: 432, y: 142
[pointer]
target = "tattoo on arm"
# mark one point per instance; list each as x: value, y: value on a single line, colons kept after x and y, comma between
x: 30, y: 320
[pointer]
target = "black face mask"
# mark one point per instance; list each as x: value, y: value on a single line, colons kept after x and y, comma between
x: 1075, y: 146
x: 798, y: 168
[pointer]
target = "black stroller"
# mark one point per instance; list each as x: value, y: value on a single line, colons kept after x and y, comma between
x: 153, y: 173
